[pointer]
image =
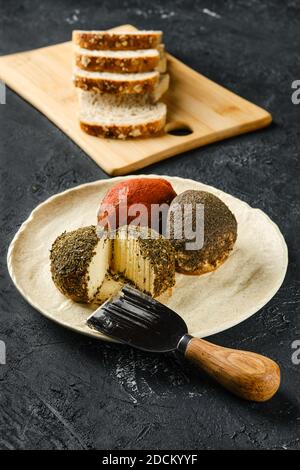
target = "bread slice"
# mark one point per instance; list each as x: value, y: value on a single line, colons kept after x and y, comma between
x: 139, y: 61
x: 122, y: 83
x: 119, y: 83
x: 109, y: 40
x: 120, y: 116
x: 162, y: 65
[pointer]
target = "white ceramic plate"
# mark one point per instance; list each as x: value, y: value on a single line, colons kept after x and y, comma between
x: 209, y: 303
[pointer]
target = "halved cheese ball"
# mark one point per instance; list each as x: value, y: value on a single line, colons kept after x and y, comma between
x: 145, y: 258
x: 89, y: 266
x: 79, y: 263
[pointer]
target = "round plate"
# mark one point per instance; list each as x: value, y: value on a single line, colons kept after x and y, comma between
x: 209, y: 303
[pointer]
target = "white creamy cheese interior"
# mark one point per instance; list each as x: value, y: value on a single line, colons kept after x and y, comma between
x: 109, y: 287
x: 128, y: 261
x: 98, y: 267
x: 115, y: 261
x: 119, y: 260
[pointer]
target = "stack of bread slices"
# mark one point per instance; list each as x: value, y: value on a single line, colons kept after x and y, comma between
x: 120, y: 78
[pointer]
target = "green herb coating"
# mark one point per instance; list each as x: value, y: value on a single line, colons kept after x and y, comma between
x: 70, y: 256
x: 72, y: 253
x: 161, y: 255
x: 220, y: 232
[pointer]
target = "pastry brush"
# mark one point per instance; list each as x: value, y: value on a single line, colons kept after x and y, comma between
x: 138, y: 320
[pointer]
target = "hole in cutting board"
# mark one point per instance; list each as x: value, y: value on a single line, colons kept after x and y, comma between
x: 178, y: 129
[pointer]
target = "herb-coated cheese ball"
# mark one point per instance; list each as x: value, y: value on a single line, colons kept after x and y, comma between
x: 220, y: 231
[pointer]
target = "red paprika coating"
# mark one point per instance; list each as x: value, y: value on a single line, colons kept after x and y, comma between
x: 146, y: 191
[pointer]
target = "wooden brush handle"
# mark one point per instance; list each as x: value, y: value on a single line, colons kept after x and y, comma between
x: 246, y: 374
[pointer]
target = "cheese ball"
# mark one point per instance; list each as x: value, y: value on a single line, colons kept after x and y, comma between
x: 143, y: 193
x: 87, y: 266
x: 79, y: 263
x: 220, y: 231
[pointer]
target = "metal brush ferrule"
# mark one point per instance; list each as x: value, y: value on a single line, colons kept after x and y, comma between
x: 183, y: 342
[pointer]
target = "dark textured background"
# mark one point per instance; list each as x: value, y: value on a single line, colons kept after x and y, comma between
x: 60, y: 390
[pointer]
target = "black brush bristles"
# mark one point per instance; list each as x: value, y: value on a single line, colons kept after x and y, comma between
x: 135, y: 318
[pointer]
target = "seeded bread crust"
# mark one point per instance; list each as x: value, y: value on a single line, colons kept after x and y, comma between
x: 116, y: 64
x: 143, y: 86
x: 102, y: 40
x: 124, y: 131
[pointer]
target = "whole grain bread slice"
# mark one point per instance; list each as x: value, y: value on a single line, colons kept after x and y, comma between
x: 138, y: 61
x: 109, y: 40
x: 151, y: 83
x: 120, y: 116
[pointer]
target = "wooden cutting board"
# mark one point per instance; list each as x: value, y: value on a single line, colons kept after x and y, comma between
x: 44, y: 78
